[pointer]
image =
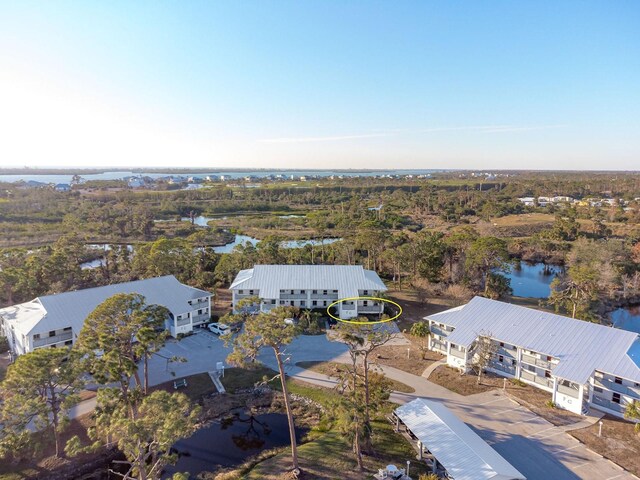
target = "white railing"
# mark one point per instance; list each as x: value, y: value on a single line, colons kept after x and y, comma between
x: 62, y: 337
x: 457, y: 353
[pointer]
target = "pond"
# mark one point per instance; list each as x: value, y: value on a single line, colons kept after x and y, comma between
x: 532, y: 280
x: 229, y: 442
x: 627, y: 318
x: 239, y: 240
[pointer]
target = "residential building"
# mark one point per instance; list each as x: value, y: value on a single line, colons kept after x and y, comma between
x: 583, y: 365
x: 312, y: 287
x: 56, y: 320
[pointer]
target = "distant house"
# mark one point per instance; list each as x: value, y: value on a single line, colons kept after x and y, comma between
x: 62, y: 187
x: 583, y: 365
x: 136, y: 182
x: 311, y: 286
x: 56, y: 320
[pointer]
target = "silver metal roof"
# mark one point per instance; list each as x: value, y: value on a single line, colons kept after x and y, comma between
x: 270, y: 279
x: 581, y: 346
x: 459, y: 449
x: 53, y: 312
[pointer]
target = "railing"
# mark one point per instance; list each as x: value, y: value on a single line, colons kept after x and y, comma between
x: 293, y: 296
x: 328, y: 296
x: 200, y: 318
x: 571, y: 391
x: 344, y: 306
x: 438, y: 345
x: 510, y: 369
x: 458, y: 354
x: 370, y: 308
x: 62, y: 337
x: 530, y: 377
x: 616, y: 387
x: 443, y: 332
x: 505, y: 352
x: 616, y: 407
x: 183, y: 321
x: 531, y: 360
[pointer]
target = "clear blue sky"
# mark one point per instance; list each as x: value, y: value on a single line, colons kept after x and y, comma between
x: 313, y: 84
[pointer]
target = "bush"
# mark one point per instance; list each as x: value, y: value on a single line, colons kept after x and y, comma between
x: 517, y: 382
x: 4, y: 344
x: 550, y: 404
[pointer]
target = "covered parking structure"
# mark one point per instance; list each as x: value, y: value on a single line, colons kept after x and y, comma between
x: 450, y: 445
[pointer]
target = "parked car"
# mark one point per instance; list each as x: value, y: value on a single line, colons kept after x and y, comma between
x: 219, y: 328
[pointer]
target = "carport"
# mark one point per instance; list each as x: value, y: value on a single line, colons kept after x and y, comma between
x: 449, y: 444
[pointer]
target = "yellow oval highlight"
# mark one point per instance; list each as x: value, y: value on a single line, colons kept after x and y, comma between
x: 364, y: 298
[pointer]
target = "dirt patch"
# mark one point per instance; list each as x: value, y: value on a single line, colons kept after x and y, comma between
x: 537, y: 401
x: 222, y: 302
x: 452, y: 379
x: 333, y: 369
x: 407, y: 358
x: 619, y: 442
x: 417, y: 305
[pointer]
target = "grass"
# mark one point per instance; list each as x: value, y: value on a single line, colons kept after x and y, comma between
x: 332, y: 369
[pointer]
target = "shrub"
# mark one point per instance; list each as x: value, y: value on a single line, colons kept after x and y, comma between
x: 4, y: 344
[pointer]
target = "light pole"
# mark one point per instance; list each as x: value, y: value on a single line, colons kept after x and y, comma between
x: 600, y: 428
x: 408, y: 463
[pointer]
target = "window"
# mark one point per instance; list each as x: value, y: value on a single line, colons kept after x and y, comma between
x: 200, y: 312
x: 292, y: 303
x: 324, y: 292
x: 502, y: 344
x: 618, y: 380
x: 324, y: 303
x: 250, y: 292
x: 365, y: 292
x: 547, y: 373
x: 315, y: 292
x: 365, y: 303
x: 513, y: 362
x: 66, y: 329
x: 616, y: 398
x: 549, y: 357
x: 314, y: 303
x: 68, y: 342
x: 303, y: 303
x: 500, y: 358
x: 52, y: 333
x: 273, y: 301
x: 292, y: 292
x: 281, y: 302
x: 303, y: 291
x: 241, y: 292
x: 597, y: 389
x: 36, y: 336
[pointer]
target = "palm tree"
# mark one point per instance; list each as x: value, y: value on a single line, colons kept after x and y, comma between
x: 632, y: 412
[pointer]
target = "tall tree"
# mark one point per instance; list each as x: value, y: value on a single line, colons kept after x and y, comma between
x: 421, y: 330
x: 119, y: 333
x: 39, y: 389
x: 271, y: 331
x: 485, y: 255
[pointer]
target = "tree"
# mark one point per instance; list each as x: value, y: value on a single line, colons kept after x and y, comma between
x: 498, y: 286
x: 632, y: 412
x: 421, y: 330
x: 39, y: 387
x: 269, y: 330
x: 430, y: 250
x: 487, y: 254
x: 575, y: 290
x: 119, y: 333
x: 482, y: 353
x: 309, y: 322
x: 146, y: 438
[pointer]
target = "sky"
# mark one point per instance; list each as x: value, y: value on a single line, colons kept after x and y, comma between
x: 320, y: 84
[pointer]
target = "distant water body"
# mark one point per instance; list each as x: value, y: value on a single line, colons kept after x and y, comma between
x: 119, y: 175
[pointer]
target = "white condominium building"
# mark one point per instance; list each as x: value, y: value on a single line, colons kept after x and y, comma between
x: 583, y: 365
x: 56, y: 320
x: 312, y: 287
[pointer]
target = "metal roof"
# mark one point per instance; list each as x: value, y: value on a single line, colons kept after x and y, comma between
x: 53, y: 312
x: 459, y: 449
x: 270, y: 279
x: 581, y: 346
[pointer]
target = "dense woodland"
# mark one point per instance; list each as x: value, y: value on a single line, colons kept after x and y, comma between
x: 451, y: 234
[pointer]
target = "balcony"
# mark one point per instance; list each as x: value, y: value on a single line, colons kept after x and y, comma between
x: 571, y: 391
x: 183, y: 321
x: 321, y: 296
x: 370, y: 309
x: 531, y: 377
x: 458, y: 354
x: 443, y: 332
x: 345, y: 306
x: 62, y: 337
x: 608, y: 404
x: 505, y: 352
x: 293, y: 296
x: 438, y: 345
x: 200, y: 318
x: 509, y: 369
x: 616, y: 387
x: 531, y: 360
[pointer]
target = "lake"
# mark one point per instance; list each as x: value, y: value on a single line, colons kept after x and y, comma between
x: 229, y: 442
x: 626, y: 318
x: 531, y: 280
